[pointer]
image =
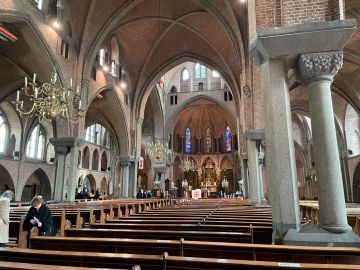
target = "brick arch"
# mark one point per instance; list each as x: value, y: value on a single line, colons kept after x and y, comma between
x: 113, y: 119
x: 14, y: 126
x: 38, y: 183
x: 95, y: 160
x: 6, y: 180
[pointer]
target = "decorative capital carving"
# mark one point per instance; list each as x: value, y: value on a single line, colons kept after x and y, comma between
x: 318, y: 66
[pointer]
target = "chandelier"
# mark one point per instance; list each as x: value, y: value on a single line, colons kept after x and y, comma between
x: 50, y: 100
x: 187, y: 165
x: 156, y: 150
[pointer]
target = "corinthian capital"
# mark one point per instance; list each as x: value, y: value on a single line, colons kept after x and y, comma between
x: 318, y: 66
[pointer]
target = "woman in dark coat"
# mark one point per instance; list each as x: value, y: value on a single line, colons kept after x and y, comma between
x: 39, y: 215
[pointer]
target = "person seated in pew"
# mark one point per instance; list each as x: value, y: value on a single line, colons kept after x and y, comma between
x: 39, y: 215
x: 148, y: 194
x: 5, y: 199
x: 140, y: 194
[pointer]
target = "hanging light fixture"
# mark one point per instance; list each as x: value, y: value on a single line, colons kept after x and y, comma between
x: 187, y: 165
x: 50, y: 101
x: 156, y: 150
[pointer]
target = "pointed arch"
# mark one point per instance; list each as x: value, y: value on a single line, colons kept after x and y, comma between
x: 184, y: 75
x: 90, y: 183
x: 6, y: 180
x: 95, y: 160
x: 37, y: 184
x: 86, y: 158
x: 103, y: 161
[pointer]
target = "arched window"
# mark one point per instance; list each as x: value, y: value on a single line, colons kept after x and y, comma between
x: 228, y: 139
x: 200, y: 71
x: 97, y: 134
x: 208, y: 140
x: 185, y: 75
x: 3, y: 134
x: 39, y: 4
x: 36, y: 144
x: 188, y: 140
x: 200, y: 86
x: 215, y: 74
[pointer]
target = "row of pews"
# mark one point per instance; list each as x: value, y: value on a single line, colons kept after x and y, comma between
x: 206, y: 234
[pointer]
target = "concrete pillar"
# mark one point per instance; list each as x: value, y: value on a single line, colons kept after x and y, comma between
x: 124, y: 179
x: 62, y: 147
x: 72, y: 182
x: 244, y: 175
x: 316, y: 72
x: 280, y: 153
x: 133, y: 178
x: 60, y: 174
x: 254, y: 174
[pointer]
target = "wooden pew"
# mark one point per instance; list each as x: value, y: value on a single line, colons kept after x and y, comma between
x: 221, y: 250
x: 244, y: 237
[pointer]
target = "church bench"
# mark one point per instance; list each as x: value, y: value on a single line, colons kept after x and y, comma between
x: 148, y: 262
x: 244, y: 237
x: 221, y: 250
x: 79, y: 259
x: 33, y: 266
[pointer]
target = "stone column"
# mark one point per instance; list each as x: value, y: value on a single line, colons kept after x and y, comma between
x: 244, y: 175
x: 254, y: 174
x: 316, y: 72
x: 61, y: 153
x: 74, y: 156
x: 133, y: 178
x: 62, y: 147
x: 280, y: 153
x: 124, y: 179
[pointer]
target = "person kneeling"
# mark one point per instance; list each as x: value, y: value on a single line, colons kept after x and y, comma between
x: 39, y: 216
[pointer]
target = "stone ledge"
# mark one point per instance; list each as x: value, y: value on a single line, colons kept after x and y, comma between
x: 312, y: 235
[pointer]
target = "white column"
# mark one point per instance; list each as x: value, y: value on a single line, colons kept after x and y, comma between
x: 316, y: 71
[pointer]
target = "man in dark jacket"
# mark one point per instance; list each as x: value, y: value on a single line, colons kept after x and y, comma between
x: 39, y: 216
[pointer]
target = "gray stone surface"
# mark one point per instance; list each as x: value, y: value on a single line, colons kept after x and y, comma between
x: 311, y: 235
x: 280, y: 153
x: 290, y: 41
x: 317, y: 71
x: 255, y: 134
x: 254, y: 173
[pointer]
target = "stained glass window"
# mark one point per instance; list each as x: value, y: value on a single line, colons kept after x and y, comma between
x: 228, y: 139
x: 208, y: 140
x: 188, y: 140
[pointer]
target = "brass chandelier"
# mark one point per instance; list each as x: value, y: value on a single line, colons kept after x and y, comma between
x: 50, y: 101
x: 187, y: 165
x: 156, y: 150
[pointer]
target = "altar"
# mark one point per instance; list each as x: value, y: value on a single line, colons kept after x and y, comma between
x: 209, y: 185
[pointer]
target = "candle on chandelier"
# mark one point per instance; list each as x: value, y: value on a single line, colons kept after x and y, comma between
x: 34, y: 78
x: 25, y: 81
x: 17, y: 95
x: 79, y: 104
x: 71, y: 83
x: 36, y: 92
x: 22, y: 104
x: 78, y: 90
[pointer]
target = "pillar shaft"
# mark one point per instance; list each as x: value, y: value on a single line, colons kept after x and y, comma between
x: 60, y: 174
x: 316, y: 71
x: 280, y: 153
x: 72, y: 182
x: 254, y: 174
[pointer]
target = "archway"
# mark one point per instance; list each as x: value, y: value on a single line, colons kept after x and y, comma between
x: 104, y: 186
x: 6, y: 181
x: 95, y: 160
x: 86, y: 158
x: 37, y: 184
x: 356, y: 184
x: 90, y: 183
x: 226, y: 172
x: 103, y: 161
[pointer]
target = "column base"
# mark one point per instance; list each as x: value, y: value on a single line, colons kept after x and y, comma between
x: 312, y: 235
